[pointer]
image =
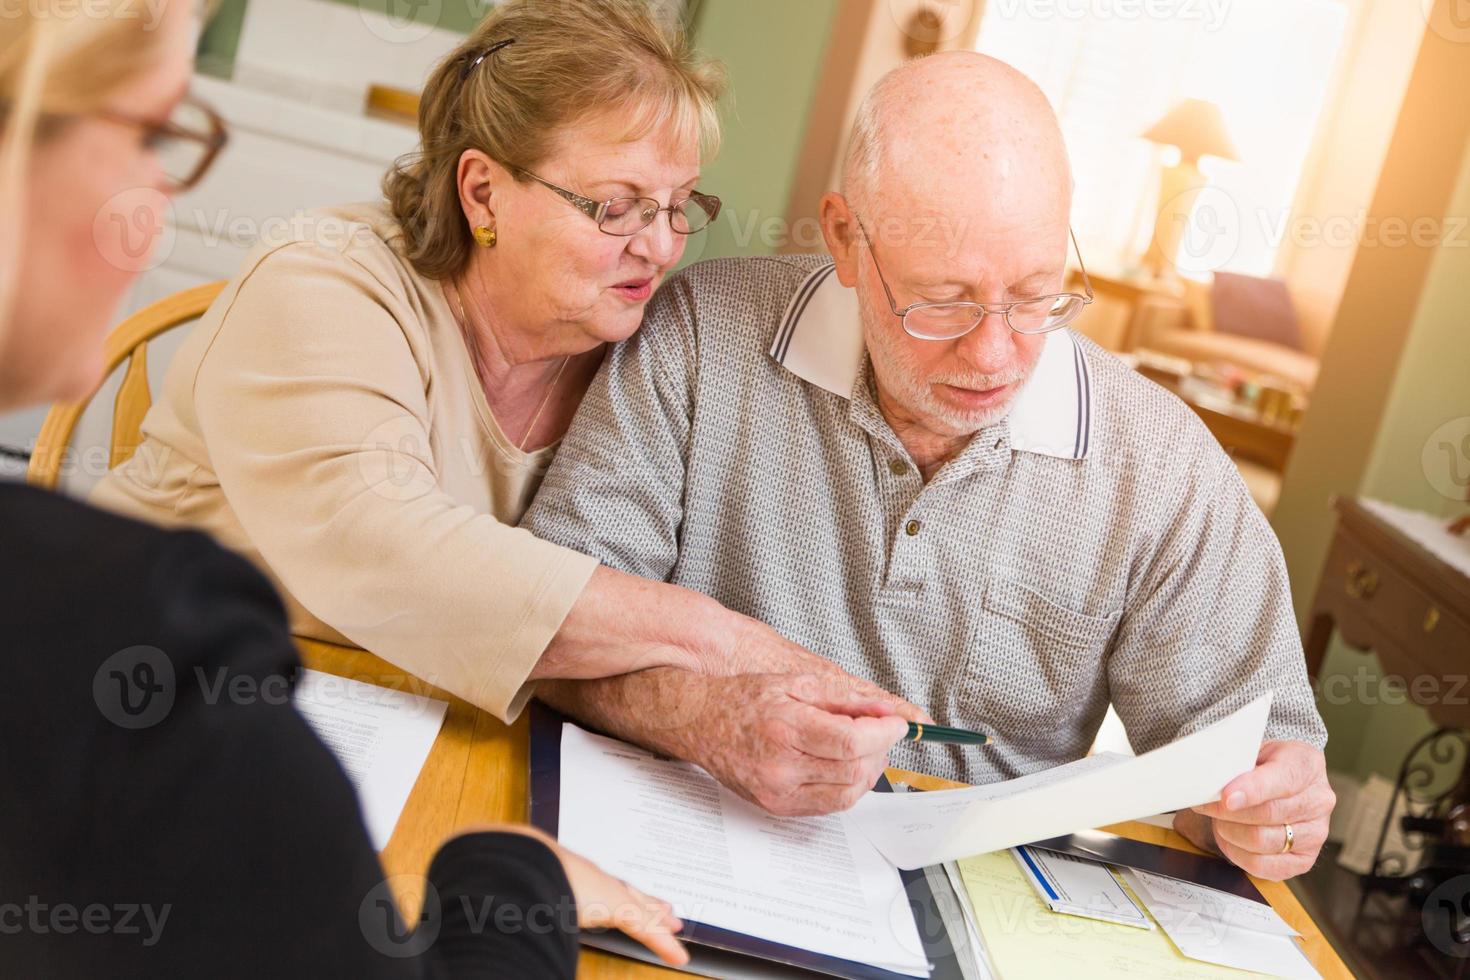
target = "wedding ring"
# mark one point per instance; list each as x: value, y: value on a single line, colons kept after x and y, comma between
x: 1290, y: 838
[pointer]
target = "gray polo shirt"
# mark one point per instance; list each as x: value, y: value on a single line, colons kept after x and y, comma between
x: 1096, y: 545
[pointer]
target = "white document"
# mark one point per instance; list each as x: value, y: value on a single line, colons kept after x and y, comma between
x: 1077, y: 886
x: 917, y: 829
x: 380, y: 736
x: 670, y: 829
x: 1210, y: 903
x: 1215, y: 927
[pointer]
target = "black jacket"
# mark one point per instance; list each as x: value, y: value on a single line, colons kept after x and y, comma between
x: 164, y: 812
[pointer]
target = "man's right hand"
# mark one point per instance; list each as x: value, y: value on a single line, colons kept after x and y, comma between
x: 793, y: 744
x: 786, y: 729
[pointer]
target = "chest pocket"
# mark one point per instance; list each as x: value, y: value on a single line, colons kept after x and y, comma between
x: 1035, y: 665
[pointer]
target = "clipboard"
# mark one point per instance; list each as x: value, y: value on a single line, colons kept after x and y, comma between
x: 720, y: 952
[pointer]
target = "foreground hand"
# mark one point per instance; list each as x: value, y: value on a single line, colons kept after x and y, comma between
x: 605, y: 902
x: 792, y: 744
x: 1288, y: 785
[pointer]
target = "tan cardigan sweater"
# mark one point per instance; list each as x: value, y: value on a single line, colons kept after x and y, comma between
x: 325, y: 420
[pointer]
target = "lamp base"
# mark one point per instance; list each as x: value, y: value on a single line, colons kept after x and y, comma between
x: 1179, y: 188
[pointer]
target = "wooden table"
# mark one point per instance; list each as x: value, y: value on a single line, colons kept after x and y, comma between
x: 1241, y: 430
x: 476, y: 774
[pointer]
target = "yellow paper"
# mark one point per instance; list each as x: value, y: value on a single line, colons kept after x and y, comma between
x: 1028, y: 941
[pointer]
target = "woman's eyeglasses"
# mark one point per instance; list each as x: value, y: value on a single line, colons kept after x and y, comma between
x: 627, y: 216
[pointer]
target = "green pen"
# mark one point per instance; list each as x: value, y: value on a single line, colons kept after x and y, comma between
x: 945, y: 736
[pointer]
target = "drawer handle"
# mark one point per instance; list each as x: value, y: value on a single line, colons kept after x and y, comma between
x: 1362, y: 581
x: 1431, y: 619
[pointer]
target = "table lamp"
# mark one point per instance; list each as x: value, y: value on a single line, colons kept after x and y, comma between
x: 1197, y: 129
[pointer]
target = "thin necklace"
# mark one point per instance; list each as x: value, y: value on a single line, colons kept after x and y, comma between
x: 464, y: 325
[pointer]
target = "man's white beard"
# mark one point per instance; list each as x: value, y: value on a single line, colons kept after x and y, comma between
x: 905, y: 383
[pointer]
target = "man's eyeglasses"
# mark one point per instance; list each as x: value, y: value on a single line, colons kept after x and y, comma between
x: 626, y: 216
x: 950, y: 321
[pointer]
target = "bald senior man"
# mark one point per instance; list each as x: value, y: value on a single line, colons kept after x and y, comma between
x: 967, y: 505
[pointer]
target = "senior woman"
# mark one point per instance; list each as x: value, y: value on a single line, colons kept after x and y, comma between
x: 367, y: 411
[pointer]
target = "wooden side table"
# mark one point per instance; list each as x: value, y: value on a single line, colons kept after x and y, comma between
x: 1128, y: 291
x: 1385, y: 592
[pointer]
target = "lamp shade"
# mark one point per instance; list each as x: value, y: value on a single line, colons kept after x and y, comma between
x: 1197, y: 128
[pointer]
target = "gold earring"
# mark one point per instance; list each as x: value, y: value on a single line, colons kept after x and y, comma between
x: 486, y: 237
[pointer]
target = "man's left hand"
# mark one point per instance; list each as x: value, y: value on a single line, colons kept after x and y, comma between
x: 1248, y: 824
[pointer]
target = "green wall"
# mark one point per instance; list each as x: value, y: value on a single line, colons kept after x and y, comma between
x: 1431, y: 387
x: 453, y: 15
x: 220, y: 39
x: 773, y: 52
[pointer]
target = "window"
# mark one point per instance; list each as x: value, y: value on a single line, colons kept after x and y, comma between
x: 1112, y: 67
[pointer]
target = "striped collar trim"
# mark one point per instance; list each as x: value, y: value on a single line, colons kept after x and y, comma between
x: 821, y: 342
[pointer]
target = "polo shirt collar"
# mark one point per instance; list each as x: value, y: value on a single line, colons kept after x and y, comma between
x: 821, y: 341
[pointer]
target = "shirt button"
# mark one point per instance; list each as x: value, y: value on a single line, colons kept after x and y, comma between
x: 912, y: 528
x: 898, y: 467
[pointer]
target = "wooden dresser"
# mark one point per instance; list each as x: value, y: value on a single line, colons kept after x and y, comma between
x: 1384, y: 591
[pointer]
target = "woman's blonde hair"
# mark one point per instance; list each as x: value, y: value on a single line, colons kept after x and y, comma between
x: 58, y: 58
x: 531, y: 68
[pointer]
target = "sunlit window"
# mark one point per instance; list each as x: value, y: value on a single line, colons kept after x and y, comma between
x: 1111, y: 69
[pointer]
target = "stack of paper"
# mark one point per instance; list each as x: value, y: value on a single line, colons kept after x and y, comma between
x: 380, y: 736
x: 670, y: 829
x: 1212, y: 926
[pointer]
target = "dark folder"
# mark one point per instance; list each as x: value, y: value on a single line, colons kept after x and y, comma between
x: 719, y: 952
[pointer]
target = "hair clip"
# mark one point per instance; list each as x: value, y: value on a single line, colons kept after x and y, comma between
x: 465, y: 73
